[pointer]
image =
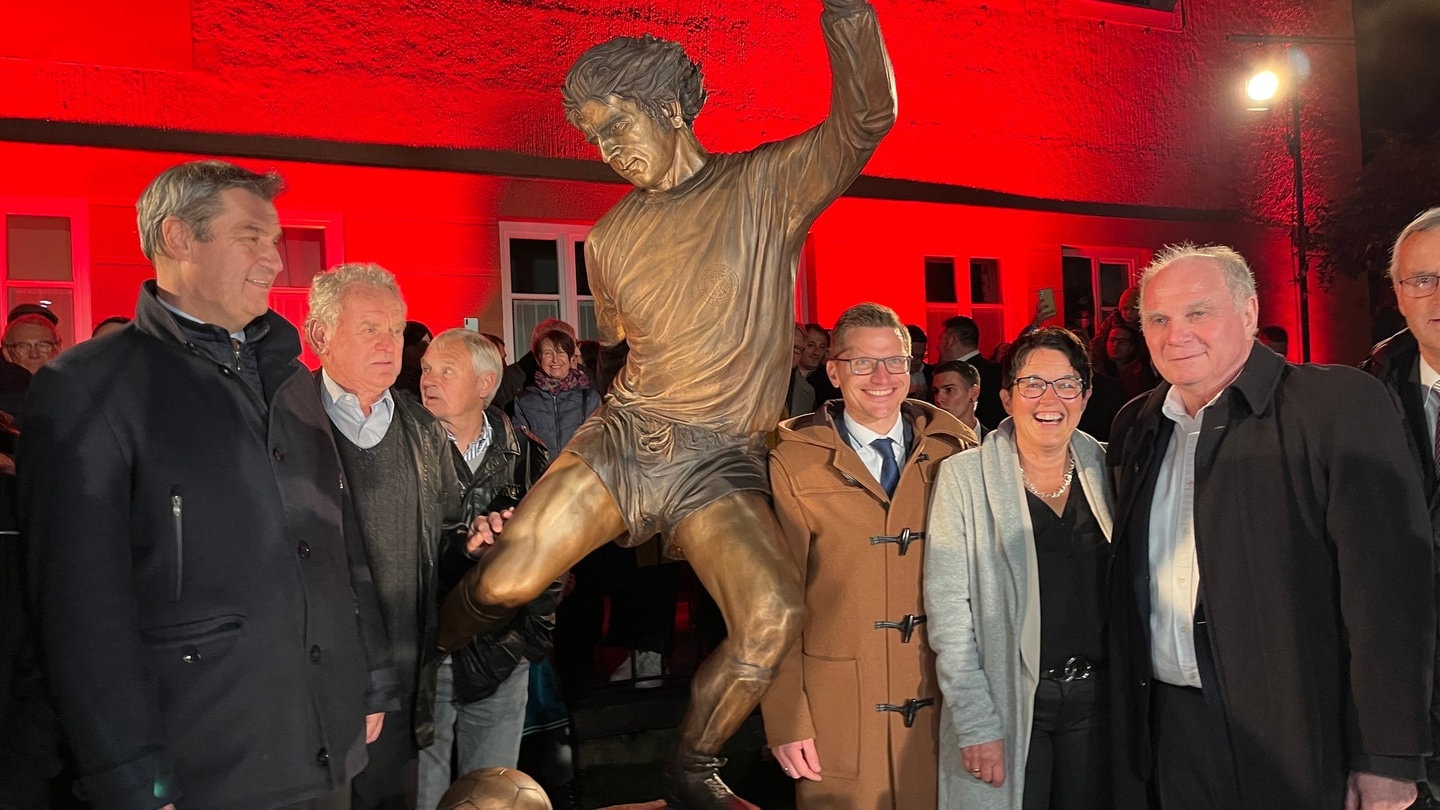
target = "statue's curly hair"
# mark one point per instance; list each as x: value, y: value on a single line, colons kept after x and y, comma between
x: 646, y: 70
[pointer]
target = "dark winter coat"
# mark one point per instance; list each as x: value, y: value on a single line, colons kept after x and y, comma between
x: 552, y: 418
x: 205, y: 605
x: 1315, y: 579
x: 1396, y: 362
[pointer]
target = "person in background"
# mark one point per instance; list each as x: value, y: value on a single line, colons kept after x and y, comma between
x: 1015, y: 566
x: 852, y: 715
x: 800, y: 396
x: 960, y: 340
x: 920, y: 382
x: 109, y: 326
x: 417, y: 338
x: 957, y: 388
x: 31, y: 341
x: 1125, y: 358
x: 1127, y: 311
x: 520, y: 374
x: 1274, y: 338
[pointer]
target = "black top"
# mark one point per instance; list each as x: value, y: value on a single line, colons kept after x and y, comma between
x: 1072, y: 555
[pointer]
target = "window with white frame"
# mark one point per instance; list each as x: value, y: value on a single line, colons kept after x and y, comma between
x: 943, y: 282
x: 1094, y: 278
x: 45, y: 260
x: 542, y: 275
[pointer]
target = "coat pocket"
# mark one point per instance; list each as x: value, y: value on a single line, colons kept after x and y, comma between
x: 832, y: 686
x: 198, y: 642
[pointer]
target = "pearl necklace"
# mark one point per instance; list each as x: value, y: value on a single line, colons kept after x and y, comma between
x: 1050, y: 496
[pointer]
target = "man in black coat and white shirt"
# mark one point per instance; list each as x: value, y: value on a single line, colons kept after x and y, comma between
x: 205, y: 605
x: 1272, y: 609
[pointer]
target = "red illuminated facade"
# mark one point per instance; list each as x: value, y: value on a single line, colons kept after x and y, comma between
x: 1038, y: 141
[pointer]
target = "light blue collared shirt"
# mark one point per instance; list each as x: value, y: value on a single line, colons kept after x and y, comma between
x: 344, y: 409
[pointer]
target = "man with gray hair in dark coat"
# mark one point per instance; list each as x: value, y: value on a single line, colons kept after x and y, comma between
x: 406, y: 495
x: 205, y: 606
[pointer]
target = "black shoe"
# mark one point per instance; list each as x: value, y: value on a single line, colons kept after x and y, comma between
x: 693, y: 783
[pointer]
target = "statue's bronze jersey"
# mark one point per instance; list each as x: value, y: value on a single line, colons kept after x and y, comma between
x: 700, y: 279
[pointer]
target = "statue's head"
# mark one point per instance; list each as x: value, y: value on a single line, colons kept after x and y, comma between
x: 635, y: 99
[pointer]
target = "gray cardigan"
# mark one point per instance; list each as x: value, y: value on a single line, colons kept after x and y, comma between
x: 983, y: 603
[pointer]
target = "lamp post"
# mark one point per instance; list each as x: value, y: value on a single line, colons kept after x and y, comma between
x: 1261, y: 89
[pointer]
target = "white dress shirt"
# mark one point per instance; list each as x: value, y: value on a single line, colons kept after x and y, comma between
x: 861, y: 437
x: 1430, y: 378
x: 1174, y: 566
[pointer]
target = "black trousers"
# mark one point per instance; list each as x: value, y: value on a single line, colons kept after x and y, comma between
x: 391, y: 780
x: 339, y: 800
x: 1066, y: 764
x: 1194, y: 767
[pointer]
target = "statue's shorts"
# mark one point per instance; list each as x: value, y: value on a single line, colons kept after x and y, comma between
x: 659, y: 471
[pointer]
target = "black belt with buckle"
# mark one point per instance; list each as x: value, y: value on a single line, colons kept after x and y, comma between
x: 1076, y: 668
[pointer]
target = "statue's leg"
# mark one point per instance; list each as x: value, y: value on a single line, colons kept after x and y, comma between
x: 566, y: 515
x: 735, y: 547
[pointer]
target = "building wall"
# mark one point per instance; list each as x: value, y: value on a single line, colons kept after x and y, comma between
x: 1052, y: 100
x: 1059, y: 99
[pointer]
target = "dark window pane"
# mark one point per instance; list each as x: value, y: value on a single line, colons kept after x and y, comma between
x: 582, y: 278
x: 534, y: 267
x: 940, y: 280
x: 39, y: 248
x: 1114, y: 278
x: 1079, y: 298
x: 984, y: 281
x: 303, y: 251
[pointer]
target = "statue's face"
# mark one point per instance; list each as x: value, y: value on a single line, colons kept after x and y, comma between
x: 639, y: 148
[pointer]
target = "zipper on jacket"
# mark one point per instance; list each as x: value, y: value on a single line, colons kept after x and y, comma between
x: 235, y: 346
x: 177, y: 512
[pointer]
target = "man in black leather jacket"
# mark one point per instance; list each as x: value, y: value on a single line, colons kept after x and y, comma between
x: 481, y: 688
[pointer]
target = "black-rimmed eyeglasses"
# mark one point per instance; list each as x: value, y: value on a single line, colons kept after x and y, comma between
x: 865, y: 366
x: 1034, y: 387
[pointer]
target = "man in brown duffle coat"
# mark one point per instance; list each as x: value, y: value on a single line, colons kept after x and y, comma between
x: 853, y: 714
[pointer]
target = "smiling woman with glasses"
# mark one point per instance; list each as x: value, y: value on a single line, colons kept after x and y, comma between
x: 1014, y: 571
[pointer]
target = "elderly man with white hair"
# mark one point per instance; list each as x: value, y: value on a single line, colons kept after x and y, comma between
x: 481, y: 690
x: 396, y: 460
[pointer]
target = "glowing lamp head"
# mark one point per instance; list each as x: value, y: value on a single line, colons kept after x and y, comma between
x: 1262, y: 86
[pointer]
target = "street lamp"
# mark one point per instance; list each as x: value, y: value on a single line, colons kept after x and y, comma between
x: 1260, y: 90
